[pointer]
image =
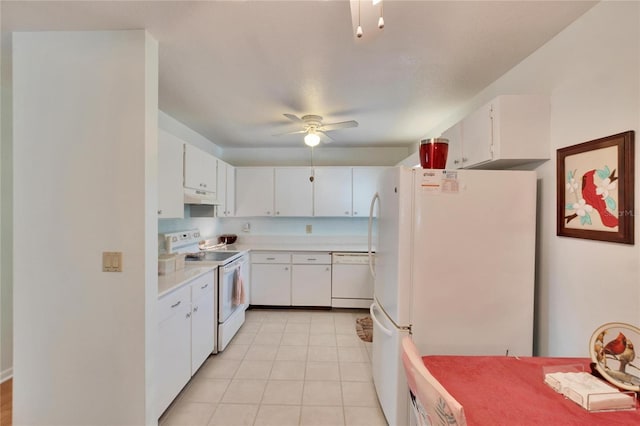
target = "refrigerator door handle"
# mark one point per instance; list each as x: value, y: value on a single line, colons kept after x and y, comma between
x: 375, y: 198
x: 378, y: 323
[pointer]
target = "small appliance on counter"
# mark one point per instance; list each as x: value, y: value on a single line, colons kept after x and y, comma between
x: 227, y: 238
x: 168, y: 263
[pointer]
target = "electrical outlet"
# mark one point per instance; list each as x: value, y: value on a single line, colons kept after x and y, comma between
x: 309, y: 229
x: 111, y: 261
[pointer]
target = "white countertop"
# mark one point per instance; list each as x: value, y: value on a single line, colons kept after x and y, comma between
x: 166, y: 283
x: 303, y: 247
x: 357, y: 243
x: 171, y: 281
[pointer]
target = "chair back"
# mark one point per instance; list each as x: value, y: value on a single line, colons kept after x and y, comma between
x: 431, y: 403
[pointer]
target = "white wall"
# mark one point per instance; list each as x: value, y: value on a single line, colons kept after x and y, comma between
x: 85, y: 179
x: 591, y: 72
x: 295, y: 226
x: 176, y: 128
x: 6, y: 288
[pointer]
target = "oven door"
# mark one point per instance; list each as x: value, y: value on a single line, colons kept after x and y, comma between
x: 232, y: 284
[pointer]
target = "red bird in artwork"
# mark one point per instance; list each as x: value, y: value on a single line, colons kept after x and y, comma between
x: 616, y: 346
x: 593, y: 199
x: 628, y: 355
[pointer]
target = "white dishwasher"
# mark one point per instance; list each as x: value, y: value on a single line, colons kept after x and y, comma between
x: 351, y: 280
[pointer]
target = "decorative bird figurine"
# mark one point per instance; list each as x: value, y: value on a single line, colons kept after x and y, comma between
x: 626, y: 356
x: 616, y: 346
x: 594, y: 200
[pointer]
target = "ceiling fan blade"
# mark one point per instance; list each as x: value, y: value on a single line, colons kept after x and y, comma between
x: 340, y: 125
x: 324, y: 138
x: 293, y: 117
x: 290, y: 133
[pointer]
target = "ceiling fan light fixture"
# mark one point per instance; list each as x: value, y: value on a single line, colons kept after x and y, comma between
x: 312, y: 139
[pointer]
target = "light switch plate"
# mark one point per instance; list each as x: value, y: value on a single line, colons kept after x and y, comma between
x: 112, y: 261
x: 309, y: 229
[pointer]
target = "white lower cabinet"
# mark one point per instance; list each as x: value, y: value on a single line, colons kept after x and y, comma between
x: 202, y: 320
x: 174, y: 351
x: 291, y: 279
x: 271, y: 279
x: 311, y: 279
x: 185, y: 335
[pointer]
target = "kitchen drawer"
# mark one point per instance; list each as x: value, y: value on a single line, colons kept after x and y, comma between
x: 270, y: 257
x: 173, y: 302
x: 312, y: 258
x: 202, y: 285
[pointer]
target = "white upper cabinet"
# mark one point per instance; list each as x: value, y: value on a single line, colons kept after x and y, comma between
x: 254, y: 191
x: 454, y: 153
x: 293, y: 191
x: 200, y: 170
x: 226, y: 189
x: 170, y: 172
x: 289, y: 192
x: 230, y: 200
x: 477, y: 139
x: 365, y: 180
x: 332, y: 191
x: 508, y: 131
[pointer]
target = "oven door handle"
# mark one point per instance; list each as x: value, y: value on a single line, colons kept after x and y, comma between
x: 232, y: 267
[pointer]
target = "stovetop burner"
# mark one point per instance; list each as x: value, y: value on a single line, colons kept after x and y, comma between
x: 211, y: 256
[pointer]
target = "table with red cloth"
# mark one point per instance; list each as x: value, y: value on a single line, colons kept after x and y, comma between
x: 506, y: 390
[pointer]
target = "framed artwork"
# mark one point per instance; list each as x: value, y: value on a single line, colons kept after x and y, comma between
x: 595, y: 189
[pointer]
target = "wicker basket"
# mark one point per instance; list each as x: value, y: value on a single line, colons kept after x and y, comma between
x: 364, y: 328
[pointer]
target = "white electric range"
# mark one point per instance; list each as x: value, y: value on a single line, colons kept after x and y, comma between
x: 232, y: 283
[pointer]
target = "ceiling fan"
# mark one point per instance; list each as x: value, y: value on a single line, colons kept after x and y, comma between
x: 314, y: 128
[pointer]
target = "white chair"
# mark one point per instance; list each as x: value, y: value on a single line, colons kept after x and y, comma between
x: 431, y: 403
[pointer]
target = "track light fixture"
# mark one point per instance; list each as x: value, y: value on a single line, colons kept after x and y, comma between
x: 370, y: 9
x: 359, y: 29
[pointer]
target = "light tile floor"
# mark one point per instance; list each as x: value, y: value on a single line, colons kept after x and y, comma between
x: 284, y: 367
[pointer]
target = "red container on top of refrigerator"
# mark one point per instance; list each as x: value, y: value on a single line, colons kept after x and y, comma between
x: 433, y: 153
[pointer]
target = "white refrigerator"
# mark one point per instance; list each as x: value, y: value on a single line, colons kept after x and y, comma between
x: 454, y: 269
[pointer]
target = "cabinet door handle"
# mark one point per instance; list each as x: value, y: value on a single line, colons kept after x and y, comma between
x: 176, y: 304
x: 188, y: 315
x: 355, y: 213
x: 346, y: 212
x: 271, y: 258
x: 328, y: 269
x: 286, y: 268
x: 311, y: 258
x: 204, y: 286
x: 159, y: 211
x: 277, y: 213
x: 195, y: 309
x: 268, y: 212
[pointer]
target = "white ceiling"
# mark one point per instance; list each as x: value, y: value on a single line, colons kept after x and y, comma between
x: 230, y: 69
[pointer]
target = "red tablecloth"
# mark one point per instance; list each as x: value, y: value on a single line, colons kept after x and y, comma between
x: 510, y: 391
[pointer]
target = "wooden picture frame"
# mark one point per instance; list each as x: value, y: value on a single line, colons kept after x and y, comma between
x: 595, y: 189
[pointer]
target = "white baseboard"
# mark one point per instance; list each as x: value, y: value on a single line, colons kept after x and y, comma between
x: 6, y: 374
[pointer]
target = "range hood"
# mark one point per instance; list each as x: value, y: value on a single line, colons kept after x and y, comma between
x: 196, y: 196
